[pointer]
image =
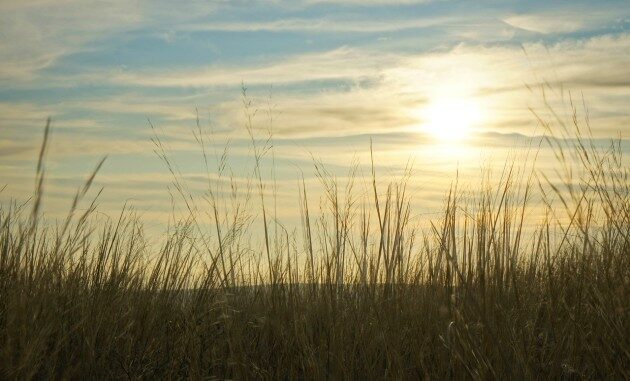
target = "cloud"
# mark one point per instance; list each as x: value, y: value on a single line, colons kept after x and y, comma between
x: 24, y: 113
x: 338, y: 64
x: 325, y: 25
x: 565, y: 20
x: 36, y: 34
x: 130, y: 104
x: 545, y: 23
x: 355, y: 90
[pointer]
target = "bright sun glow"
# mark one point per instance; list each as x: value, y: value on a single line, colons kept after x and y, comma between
x: 451, y: 119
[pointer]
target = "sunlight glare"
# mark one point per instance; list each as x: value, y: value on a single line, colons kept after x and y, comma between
x: 451, y: 119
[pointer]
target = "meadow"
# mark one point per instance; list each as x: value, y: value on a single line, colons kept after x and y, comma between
x: 357, y: 291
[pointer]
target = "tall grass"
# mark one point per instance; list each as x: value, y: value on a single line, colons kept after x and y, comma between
x: 358, y: 292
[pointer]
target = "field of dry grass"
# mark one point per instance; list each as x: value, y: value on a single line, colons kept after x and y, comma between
x: 356, y: 292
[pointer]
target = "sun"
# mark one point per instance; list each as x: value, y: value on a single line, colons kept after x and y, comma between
x: 451, y: 119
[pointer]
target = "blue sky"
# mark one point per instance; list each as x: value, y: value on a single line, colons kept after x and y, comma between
x: 334, y: 73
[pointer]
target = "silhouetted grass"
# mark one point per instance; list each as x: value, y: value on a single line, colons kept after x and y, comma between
x: 359, y: 292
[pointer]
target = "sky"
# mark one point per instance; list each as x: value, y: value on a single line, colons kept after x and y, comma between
x: 448, y: 85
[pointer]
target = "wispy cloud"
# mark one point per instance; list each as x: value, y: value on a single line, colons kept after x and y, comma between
x: 372, y: 93
x: 567, y: 20
x: 342, y: 63
x: 377, y: 89
x: 323, y: 25
x: 36, y: 33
